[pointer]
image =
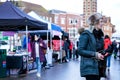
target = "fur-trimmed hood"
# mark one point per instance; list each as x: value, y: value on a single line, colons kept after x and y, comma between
x: 80, y: 30
x: 90, y: 28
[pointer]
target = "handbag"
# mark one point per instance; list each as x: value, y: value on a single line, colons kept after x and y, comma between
x: 44, y: 51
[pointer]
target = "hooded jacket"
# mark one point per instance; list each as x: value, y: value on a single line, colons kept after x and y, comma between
x: 87, y: 51
x: 41, y: 50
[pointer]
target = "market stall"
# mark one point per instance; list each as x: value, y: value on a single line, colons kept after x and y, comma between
x: 13, y: 19
x: 54, y: 30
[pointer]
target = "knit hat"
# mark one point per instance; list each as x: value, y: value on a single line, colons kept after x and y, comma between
x: 94, y: 18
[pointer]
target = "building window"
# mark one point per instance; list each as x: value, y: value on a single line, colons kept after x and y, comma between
x: 43, y: 17
x: 46, y: 18
x: 104, y: 27
x: 107, y: 28
x: 70, y: 20
x: 74, y: 21
x: 72, y: 32
x: 62, y: 20
x: 56, y: 19
x: 50, y: 19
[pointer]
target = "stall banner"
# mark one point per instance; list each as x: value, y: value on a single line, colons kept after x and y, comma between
x: 5, y: 38
x: 8, y: 33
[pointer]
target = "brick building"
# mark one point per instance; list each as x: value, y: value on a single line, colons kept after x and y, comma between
x: 89, y: 8
x: 68, y: 21
x: 108, y: 27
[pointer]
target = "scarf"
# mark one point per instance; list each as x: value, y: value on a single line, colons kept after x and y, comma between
x: 98, y: 33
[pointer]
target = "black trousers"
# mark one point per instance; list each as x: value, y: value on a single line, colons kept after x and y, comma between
x: 92, y: 77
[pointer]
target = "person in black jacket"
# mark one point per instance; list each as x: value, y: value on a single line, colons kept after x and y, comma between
x: 115, y: 50
x: 119, y: 50
x: 66, y: 48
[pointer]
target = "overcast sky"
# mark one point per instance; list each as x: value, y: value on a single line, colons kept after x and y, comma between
x: 110, y: 8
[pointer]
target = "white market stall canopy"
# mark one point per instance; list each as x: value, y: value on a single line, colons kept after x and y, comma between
x: 56, y: 30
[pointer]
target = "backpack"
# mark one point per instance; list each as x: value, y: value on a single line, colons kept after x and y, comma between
x: 110, y: 48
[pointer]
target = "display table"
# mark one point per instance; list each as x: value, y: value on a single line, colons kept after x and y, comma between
x: 17, y: 61
x: 14, y: 62
x: 31, y: 65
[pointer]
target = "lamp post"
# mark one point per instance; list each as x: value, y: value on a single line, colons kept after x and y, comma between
x: 73, y: 22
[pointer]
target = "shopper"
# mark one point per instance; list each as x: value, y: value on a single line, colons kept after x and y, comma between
x: 66, y: 48
x: 118, y: 53
x: 115, y: 50
x: 108, y: 46
x: 70, y: 49
x: 87, y: 49
x: 49, y: 53
x: 38, y: 47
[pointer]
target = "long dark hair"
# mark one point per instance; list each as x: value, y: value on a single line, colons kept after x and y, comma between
x: 107, y: 37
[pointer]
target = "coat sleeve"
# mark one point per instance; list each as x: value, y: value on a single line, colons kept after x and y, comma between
x: 44, y: 44
x: 84, y: 48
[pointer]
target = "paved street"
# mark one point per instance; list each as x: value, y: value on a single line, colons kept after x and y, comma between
x: 67, y: 71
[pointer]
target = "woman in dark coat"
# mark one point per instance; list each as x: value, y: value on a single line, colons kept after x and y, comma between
x: 38, y: 47
x: 99, y: 36
x: 87, y: 49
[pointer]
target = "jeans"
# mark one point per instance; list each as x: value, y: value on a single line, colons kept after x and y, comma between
x: 67, y: 54
x: 75, y: 54
x: 108, y: 61
x: 38, y: 63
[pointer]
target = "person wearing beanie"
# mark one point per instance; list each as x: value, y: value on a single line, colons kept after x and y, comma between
x: 87, y: 48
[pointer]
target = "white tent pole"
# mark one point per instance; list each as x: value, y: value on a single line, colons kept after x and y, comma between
x: 51, y: 46
x: 17, y: 40
x: 10, y: 43
x: 51, y: 39
x: 27, y: 38
x: 47, y: 66
x: 47, y: 39
x: 61, y: 48
x: 47, y: 54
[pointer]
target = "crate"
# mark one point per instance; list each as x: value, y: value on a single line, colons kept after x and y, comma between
x: 3, y: 72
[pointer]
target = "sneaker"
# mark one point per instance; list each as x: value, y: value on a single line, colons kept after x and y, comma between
x: 108, y: 69
x: 67, y: 60
x: 38, y: 75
